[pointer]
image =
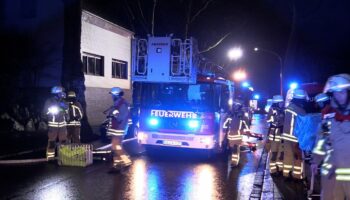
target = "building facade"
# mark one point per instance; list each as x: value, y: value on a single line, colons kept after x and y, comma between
x: 34, y: 34
x: 106, y: 57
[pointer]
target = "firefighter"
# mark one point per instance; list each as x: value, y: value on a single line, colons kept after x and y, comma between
x: 236, y: 128
x: 292, y: 161
x: 75, y: 115
x: 338, y: 87
x: 323, y: 148
x: 274, y: 145
x: 118, y: 127
x: 55, y: 111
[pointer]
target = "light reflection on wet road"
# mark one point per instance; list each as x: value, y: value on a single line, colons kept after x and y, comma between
x: 171, y: 174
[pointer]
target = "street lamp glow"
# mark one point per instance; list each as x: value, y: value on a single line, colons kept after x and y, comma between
x: 245, y: 84
x: 256, y: 49
x: 239, y: 75
x: 251, y: 89
x: 256, y: 96
x: 293, y: 85
x: 235, y: 53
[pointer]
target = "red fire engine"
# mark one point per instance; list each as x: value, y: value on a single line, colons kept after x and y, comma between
x: 178, y: 101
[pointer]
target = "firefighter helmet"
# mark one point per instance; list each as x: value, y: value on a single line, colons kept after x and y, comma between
x: 117, y: 91
x: 71, y: 94
x: 337, y: 83
x: 322, y: 97
x: 300, y: 94
x: 57, y: 90
x: 277, y: 99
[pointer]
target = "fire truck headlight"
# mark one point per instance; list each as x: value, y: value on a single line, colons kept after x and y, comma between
x: 153, y: 122
x: 193, y: 124
x: 206, y: 141
x: 140, y: 136
x: 53, y: 110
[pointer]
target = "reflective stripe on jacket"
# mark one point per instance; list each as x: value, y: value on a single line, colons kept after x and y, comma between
x: 75, y: 114
x: 291, y: 112
x: 56, y: 113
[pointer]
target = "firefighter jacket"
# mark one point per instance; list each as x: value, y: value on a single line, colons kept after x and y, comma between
x: 56, y: 112
x: 340, y: 140
x: 323, y: 147
x: 119, y: 114
x: 234, y: 125
x: 75, y: 112
x: 291, y: 112
x: 276, y: 116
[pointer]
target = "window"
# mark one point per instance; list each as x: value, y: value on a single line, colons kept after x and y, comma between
x: 119, y: 69
x: 28, y: 8
x: 93, y: 64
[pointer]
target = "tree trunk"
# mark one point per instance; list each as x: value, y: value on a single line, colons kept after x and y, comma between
x: 72, y: 69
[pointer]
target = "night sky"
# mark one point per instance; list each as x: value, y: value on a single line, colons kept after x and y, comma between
x: 316, y: 48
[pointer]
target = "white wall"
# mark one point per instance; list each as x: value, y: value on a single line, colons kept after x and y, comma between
x: 110, y: 45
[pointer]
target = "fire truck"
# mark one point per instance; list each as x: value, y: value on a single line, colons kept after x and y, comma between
x: 178, y: 99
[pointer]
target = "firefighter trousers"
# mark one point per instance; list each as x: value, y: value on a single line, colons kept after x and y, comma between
x: 341, y: 190
x: 235, y: 156
x: 292, y: 161
x: 53, y: 134
x: 276, y: 157
x: 73, y: 133
x: 327, y: 187
x: 276, y: 150
x: 120, y: 157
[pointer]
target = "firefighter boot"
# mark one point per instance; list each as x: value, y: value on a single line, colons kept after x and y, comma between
x: 50, y: 151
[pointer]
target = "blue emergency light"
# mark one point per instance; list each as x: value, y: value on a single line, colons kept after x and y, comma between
x: 153, y: 122
x: 193, y: 124
x: 245, y: 84
x: 293, y: 85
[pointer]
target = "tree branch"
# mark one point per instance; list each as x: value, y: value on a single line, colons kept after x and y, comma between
x: 216, y: 44
x: 153, y: 12
x: 201, y: 10
x: 140, y: 8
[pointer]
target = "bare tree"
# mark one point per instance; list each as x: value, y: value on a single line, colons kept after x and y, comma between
x: 153, y: 13
x: 190, y: 19
x: 215, y: 44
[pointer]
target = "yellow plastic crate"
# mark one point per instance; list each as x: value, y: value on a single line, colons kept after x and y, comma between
x: 79, y: 155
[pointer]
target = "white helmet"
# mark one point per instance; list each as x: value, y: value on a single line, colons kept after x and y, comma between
x: 337, y: 83
x: 300, y: 94
x: 277, y: 99
x: 116, y: 91
x: 322, y: 97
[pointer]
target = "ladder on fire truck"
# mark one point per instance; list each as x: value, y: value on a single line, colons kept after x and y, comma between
x: 167, y: 59
x: 164, y: 59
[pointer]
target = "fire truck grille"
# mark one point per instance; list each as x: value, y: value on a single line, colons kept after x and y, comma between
x: 172, y: 137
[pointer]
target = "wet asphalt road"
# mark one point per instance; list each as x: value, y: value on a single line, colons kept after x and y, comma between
x: 168, y: 174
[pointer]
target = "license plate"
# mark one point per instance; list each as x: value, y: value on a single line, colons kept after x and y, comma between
x: 173, y: 143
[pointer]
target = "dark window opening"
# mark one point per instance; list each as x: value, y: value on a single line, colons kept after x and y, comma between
x: 119, y: 69
x: 93, y: 64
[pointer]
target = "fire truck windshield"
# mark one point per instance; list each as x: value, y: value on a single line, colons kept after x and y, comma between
x: 198, y: 96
